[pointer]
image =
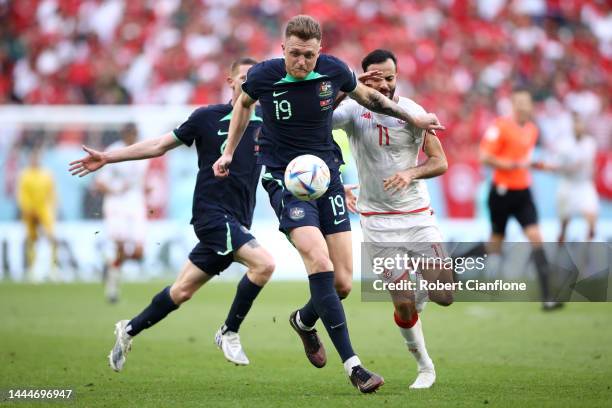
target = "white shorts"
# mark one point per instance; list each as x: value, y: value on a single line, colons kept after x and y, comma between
x: 577, y: 199
x: 126, y: 224
x: 416, y: 234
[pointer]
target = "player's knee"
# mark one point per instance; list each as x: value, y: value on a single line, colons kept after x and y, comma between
x: 343, y: 289
x: 267, y: 269
x: 533, y: 234
x: 263, y: 270
x: 180, y: 293
x: 315, y: 257
x: 320, y: 262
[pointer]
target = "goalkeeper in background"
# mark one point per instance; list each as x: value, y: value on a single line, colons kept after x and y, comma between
x: 37, y: 204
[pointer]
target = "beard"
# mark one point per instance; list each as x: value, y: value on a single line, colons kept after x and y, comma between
x: 389, y: 94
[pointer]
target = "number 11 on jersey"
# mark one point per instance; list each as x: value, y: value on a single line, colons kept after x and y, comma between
x: 380, y: 135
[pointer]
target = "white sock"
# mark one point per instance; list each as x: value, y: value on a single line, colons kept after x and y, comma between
x: 350, y: 363
x: 300, y: 324
x: 112, y: 282
x: 415, y: 340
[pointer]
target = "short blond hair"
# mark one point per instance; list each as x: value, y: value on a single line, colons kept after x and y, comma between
x: 303, y: 27
x: 241, y: 61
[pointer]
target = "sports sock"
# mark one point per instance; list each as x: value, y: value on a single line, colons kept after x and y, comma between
x: 327, y: 305
x: 350, y: 363
x: 160, y: 306
x: 300, y: 322
x: 243, y: 300
x: 412, y: 331
x: 30, y: 252
x: 539, y: 257
x: 307, y: 316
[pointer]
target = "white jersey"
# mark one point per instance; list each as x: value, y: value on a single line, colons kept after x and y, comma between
x: 577, y: 161
x: 382, y: 146
x: 125, y: 182
x: 577, y: 193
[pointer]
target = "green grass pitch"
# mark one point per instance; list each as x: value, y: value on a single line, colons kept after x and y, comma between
x: 486, y: 354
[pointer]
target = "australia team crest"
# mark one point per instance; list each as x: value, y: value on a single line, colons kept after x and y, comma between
x: 325, y: 89
x: 297, y: 213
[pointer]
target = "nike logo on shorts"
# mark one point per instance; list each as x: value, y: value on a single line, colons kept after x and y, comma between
x: 336, y: 222
x: 275, y: 94
x: 220, y: 133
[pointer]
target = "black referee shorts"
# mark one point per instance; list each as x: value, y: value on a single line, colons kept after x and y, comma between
x: 504, y: 203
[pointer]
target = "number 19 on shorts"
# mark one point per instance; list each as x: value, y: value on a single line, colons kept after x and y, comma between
x: 337, y: 204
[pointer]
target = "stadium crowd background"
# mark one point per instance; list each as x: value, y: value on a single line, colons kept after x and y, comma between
x: 459, y: 59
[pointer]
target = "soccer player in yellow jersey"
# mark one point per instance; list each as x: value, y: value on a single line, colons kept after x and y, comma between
x: 37, y: 203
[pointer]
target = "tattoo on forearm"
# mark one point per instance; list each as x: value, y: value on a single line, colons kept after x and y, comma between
x: 376, y: 102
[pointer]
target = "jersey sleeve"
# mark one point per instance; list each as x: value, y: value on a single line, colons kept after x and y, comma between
x: 344, y: 77
x: 187, y: 132
x: 253, y: 80
x: 343, y: 116
x: 412, y: 108
x: 491, y: 142
x: 348, y: 79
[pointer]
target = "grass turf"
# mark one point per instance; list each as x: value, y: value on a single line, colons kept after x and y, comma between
x: 486, y: 354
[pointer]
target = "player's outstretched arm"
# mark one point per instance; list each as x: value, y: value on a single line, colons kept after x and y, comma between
x: 146, y: 149
x: 435, y: 165
x: 241, y: 115
x: 377, y: 102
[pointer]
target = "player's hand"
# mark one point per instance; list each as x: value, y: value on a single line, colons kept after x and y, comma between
x: 540, y: 165
x: 544, y: 166
x: 221, y: 166
x: 522, y: 164
x: 375, y: 74
x: 398, y: 182
x: 428, y: 121
x: 88, y: 164
x: 351, y: 198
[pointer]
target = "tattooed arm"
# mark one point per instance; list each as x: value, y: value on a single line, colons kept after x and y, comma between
x: 377, y: 102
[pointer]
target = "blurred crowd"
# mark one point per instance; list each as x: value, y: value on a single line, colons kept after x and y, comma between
x: 459, y: 59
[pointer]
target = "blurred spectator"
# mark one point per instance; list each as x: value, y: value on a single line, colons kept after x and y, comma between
x: 457, y: 57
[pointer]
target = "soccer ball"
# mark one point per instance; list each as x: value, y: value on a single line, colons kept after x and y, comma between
x: 307, y: 177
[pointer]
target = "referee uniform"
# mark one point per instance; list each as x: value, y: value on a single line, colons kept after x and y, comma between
x: 510, y: 195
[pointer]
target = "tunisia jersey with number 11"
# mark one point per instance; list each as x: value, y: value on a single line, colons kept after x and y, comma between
x: 382, y: 146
